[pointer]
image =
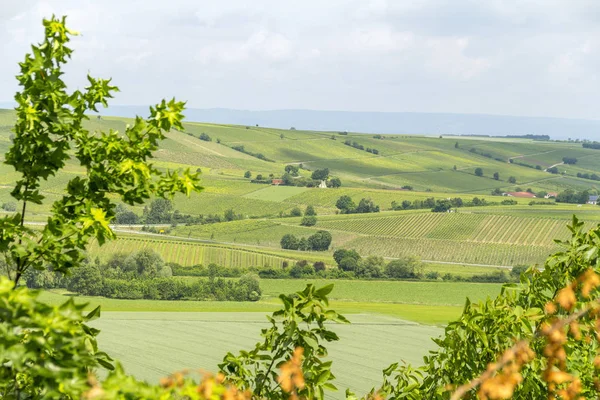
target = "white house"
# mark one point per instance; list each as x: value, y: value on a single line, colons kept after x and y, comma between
x: 593, y: 200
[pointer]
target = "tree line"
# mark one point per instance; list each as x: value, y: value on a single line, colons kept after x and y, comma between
x: 143, y: 275
x: 359, y: 146
x: 350, y: 265
x: 319, y: 241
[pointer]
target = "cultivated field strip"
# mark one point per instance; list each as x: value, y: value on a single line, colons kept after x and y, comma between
x: 188, y: 253
x: 501, y: 254
x: 151, y: 347
x: 478, y: 228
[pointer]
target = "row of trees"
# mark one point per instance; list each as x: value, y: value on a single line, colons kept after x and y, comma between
x: 440, y: 205
x: 243, y: 149
x: 161, y: 211
x: 346, y: 205
x: 572, y: 196
x: 359, y: 146
x: 585, y: 175
x: 319, y: 241
x: 143, y: 275
x: 591, y: 145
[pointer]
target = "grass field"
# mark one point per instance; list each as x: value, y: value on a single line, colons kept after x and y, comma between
x: 152, y: 345
x: 158, y: 341
x: 423, y: 302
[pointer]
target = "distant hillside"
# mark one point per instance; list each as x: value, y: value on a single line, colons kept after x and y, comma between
x: 381, y: 122
x: 386, y: 122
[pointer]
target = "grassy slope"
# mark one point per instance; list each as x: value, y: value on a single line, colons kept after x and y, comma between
x: 423, y: 162
x: 425, y: 302
x: 200, y: 340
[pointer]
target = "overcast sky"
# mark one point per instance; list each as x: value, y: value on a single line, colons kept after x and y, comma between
x: 533, y: 58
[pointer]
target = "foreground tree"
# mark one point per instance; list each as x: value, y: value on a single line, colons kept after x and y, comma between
x: 49, y: 132
x: 537, y: 340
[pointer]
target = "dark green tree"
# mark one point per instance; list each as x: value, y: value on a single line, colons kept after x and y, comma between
x: 292, y: 169
x: 310, y: 210
x: 345, y: 204
x: 159, y: 212
x: 289, y: 241
x: 340, y: 254
x: 320, y: 241
x: 335, y: 182
x: 496, y: 176
x: 479, y: 171
x: 404, y: 268
x: 320, y: 174
x: 86, y: 280
x: 309, y: 220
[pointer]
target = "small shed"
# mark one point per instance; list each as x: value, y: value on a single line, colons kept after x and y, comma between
x: 323, y: 185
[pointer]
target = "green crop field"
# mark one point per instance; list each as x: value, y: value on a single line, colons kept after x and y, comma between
x: 151, y: 345
x: 200, y: 333
x: 191, y: 253
x: 426, y: 293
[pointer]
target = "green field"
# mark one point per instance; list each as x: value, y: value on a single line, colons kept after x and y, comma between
x: 153, y: 344
x: 423, y: 302
x: 500, y: 236
x: 172, y: 335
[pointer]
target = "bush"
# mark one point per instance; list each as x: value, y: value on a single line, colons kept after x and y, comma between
x: 320, y: 241
x: 404, y: 268
x: 319, y: 266
x: 320, y: 174
x: 289, y: 242
x: 340, y: 254
x: 310, y: 211
x: 296, y: 212
x: 9, y: 206
x: 309, y: 220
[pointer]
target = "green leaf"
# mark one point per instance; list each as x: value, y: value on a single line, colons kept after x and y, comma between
x: 324, y: 291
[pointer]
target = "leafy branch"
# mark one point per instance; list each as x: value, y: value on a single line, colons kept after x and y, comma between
x: 50, y: 132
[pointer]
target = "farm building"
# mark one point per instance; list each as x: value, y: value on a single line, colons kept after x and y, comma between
x: 550, y: 195
x: 519, y: 194
x: 593, y: 200
x: 277, y: 182
x: 323, y: 185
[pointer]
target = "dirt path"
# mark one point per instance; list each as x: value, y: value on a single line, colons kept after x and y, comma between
x: 534, y: 154
x: 552, y: 166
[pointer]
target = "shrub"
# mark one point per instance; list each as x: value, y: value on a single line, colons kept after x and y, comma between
x: 310, y: 211
x: 404, y: 268
x: 309, y: 220
x: 320, y: 241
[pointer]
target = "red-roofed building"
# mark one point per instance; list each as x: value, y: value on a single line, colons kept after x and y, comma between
x: 277, y: 182
x: 520, y: 194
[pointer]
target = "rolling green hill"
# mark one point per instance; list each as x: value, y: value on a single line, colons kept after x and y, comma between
x: 439, y: 167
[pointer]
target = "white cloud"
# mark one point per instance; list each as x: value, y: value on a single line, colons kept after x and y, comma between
x: 493, y: 56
